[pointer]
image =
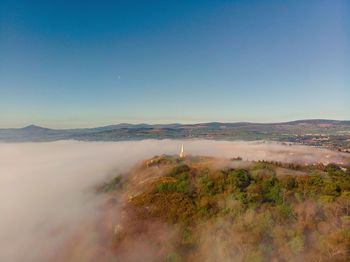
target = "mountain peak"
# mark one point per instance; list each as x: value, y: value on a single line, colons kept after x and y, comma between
x: 34, y: 127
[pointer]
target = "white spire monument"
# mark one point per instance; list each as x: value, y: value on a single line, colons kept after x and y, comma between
x: 182, y: 152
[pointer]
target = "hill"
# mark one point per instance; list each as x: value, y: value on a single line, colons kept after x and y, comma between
x: 207, y: 209
x: 334, y: 134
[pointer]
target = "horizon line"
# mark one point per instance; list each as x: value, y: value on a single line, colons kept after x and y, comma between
x: 179, y: 123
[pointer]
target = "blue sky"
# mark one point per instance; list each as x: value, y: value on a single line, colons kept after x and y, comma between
x: 90, y: 63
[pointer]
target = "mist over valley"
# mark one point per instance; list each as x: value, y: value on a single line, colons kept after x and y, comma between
x: 48, y: 190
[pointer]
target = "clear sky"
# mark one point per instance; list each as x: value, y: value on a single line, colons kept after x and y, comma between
x: 90, y: 63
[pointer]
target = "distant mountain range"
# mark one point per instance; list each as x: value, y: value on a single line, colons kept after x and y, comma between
x: 212, y: 130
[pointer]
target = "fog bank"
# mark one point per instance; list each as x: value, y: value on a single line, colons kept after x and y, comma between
x: 46, y: 188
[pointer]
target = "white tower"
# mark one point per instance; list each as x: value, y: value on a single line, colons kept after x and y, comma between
x: 182, y: 152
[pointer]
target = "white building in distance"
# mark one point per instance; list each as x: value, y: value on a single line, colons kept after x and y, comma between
x: 182, y: 152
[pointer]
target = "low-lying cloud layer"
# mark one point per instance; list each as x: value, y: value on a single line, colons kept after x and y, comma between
x: 47, y: 188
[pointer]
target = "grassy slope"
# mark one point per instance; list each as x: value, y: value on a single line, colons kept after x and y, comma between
x: 254, y: 211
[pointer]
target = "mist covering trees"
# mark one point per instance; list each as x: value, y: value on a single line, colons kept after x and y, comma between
x: 262, y: 213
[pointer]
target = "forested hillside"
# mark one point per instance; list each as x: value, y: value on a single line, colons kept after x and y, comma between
x: 206, y: 209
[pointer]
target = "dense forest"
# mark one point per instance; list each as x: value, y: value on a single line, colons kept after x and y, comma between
x: 206, y: 209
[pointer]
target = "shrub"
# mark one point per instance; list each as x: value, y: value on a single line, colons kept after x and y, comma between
x: 114, y: 184
x: 173, y: 257
x: 179, y: 169
x: 285, y: 211
x: 334, y: 170
x: 296, y: 244
x: 181, y: 185
x: 238, y: 179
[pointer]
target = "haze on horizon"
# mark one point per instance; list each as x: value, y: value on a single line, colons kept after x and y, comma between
x: 85, y: 64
